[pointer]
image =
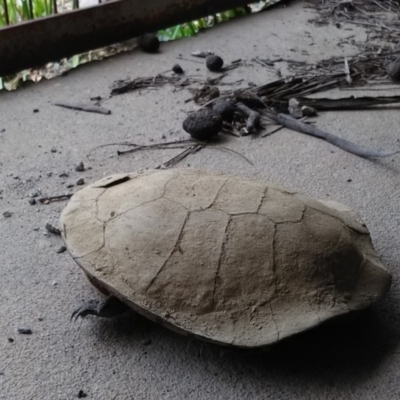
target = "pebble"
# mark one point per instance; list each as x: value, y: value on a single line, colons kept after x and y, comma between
x: 7, y: 214
x: 177, y: 69
x: 32, y: 202
x: 52, y: 229
x: 53, y: 150
x: 81, y: 394
x: 80, y: 167
x: 23, y: 330
x: 61, y: 250
x: 80, y: 182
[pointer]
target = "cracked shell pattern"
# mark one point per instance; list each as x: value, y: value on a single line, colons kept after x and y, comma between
x: 230, y: 260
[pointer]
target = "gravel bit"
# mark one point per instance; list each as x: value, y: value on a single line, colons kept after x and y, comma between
x: 52, y: 229
x: 177, y: 69
x: 80, y: 167
x: 23, y: 330
x: 61, y: 250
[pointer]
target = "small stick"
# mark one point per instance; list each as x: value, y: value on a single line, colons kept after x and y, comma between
x: 253, y: 117
x: 84, y: 107
x: 181, y: 156
x: 52, y: 229
x: 295, y: 125
x: 47, y: 200
x: 188, y: 59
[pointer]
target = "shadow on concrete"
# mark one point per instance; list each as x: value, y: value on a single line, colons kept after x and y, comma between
x: 347, y: 349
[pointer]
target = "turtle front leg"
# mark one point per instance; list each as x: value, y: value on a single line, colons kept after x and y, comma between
x: 108, y: 308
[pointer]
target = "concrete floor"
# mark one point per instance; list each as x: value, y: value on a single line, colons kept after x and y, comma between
x: 130, y: 358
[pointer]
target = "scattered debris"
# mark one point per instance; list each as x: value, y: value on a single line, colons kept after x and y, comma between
x: 7, y: 214
x: 96, y: 99
x: 181, y: 156
x: 381, y: 17
x: 128, y: 85
x: 80, y: 167
x: 308, y: 111
x: 25, y: 331
x: 84, y: 107
x: 81, y: 394
x: 204, y: 94
x: 149, y: 43
x: 52, y: 229
x: 61, y: 250
x: 50, y: 199
x: 348, y: 103
x: 190, y: 146
x: 177, y: 69
x: 201, y: 54
x: 225, y: 108
x: 253, y: 118
x: 151, y: 82
x: 214, y: 63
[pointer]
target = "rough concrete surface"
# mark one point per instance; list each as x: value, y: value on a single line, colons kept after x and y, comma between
x: 131, y: 358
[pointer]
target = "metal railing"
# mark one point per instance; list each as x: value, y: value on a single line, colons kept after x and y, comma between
x: 16, y: 11
x: 58, y: 29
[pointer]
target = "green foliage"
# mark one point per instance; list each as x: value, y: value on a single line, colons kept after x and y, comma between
x: 20, y: 11
x: 191, y: 28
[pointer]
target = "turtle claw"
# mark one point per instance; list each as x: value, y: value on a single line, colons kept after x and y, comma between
x: 109, y: 308
x: 89, y: 308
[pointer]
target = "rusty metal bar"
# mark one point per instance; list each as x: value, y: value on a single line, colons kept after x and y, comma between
x: 34, y: 43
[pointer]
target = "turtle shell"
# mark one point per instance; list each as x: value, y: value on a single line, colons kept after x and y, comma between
x: 230, y: 260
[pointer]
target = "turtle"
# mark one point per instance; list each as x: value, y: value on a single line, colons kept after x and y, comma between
x: 229, y: 260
